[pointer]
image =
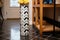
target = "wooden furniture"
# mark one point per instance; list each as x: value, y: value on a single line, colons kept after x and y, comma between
x: 38, y: 13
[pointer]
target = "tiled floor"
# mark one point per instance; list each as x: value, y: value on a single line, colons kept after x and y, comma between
x: 46, y: 35
x: 10, y: 30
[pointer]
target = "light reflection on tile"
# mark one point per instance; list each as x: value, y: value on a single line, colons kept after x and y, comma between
x: 15, y: 34
x: 11, y: 30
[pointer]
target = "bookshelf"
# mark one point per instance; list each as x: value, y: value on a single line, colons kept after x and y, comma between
x: 38, y: 12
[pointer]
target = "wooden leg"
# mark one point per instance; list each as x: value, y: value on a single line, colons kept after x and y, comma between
x: 36, y: 11
x: 41, y: 17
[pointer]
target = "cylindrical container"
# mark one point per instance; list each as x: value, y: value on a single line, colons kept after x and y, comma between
x: 24, y: 13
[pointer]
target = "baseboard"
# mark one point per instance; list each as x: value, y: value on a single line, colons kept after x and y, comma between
x: 13, y: 18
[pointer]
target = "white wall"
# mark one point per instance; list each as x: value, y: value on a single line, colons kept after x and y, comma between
x: 57, y: 1
x: 14, y: 12
x: 9, y: 12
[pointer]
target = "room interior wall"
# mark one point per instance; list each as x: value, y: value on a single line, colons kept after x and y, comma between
x: 57, y: 1
x: 14, y: 12
x: 9, y: 12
